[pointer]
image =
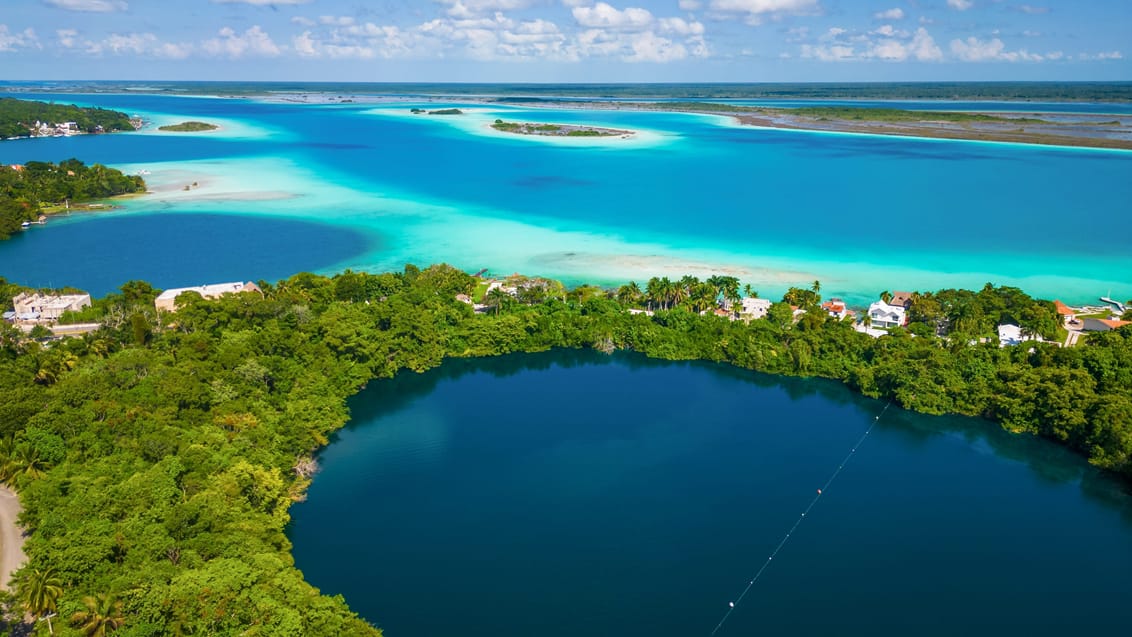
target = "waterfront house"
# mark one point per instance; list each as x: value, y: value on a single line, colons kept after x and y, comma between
x: 47, y: 308
x: 884, y: 315
x: 753, y: 308
x: 901, y: 299
x: 1103, y: 325
x: 1068, y: 314
x: 166, y: 301
x: 836, y: 308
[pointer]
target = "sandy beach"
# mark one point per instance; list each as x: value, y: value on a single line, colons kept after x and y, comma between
x: 11, y: 536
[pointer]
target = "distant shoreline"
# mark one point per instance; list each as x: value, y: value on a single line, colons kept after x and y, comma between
x: 1012, y: 129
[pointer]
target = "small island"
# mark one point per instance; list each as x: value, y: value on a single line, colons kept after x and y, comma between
x: 442, y: 111
x: 188, y: 127
x: 557, y: 130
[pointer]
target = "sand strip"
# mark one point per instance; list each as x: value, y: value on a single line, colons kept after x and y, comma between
x: 11, y: 536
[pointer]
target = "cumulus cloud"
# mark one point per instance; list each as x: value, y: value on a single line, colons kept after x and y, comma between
x: 11, y: 41
x: 960, y: 5
x: 690, y: 5
x: 472, y: 8
x: 1032, y: 10
x: 890, y: 14
x: 756, y: 11
x: 229, y: 43
x: 604, y: 16
x: 94, y: 6
x: 993, y: 50
x: 885, y: 43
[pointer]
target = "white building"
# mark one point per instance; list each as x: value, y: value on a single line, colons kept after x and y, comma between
x: 1010, y: 334
x: 167, y: 300
x: 754, y: 308
x: 883, y: 316
x: 37, y: 307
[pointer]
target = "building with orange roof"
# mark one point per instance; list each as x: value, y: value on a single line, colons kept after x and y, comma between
x: 1103, y: 325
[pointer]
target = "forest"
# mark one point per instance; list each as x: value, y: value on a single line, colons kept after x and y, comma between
x: 156, y: 459
x: 28, y: 190
x: 18, y: 117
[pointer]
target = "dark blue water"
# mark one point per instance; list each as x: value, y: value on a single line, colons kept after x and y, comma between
x: 569, y: 494
x: 172, y: 250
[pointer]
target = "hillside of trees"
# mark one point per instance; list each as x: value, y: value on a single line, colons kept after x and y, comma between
x: 157, y: 458
x: 26, y: 192
x: 18, y: 117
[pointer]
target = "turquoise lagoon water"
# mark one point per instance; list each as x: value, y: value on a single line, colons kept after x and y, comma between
x: 689, y: 194
x: 569, y: 493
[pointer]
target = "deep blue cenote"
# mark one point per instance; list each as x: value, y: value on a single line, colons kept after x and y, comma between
x: 575, y: 493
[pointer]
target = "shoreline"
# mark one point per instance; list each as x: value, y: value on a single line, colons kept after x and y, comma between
x: 782, y: 118
x: 12, y: 556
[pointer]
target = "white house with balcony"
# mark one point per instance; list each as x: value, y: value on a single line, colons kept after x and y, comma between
x: 883, y: 316
x: 753, y: 308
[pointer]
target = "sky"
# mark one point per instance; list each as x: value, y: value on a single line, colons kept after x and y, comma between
x: 566, y: 40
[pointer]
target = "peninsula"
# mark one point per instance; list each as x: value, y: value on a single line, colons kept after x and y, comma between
x: 557, y: 130
x: 1085, y: 130
x: 27, y: 118
x: 30, y: 191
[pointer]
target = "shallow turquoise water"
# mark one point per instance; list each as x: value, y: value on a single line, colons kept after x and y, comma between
x: 572, y: 493
x: 694, y: 193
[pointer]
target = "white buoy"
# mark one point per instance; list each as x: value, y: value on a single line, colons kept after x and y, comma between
x: 732, y: 604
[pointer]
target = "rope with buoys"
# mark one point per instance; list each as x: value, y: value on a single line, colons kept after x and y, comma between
x: 786, y: 538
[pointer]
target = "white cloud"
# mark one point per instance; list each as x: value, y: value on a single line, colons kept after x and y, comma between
x: 890, y: 14
x: 10, y: 41
x: 892, y: 46
x: 94, y: 6
x: 254, y: 41
x: 341, y: 21
x: 756, y: 11
x: 303, y: 22
x: 650, y: 47
x: 262, y: 3
x: 472, y: 8
x: 994, y: 50
x: 1106, y: 55
x: 680, y: 26
x: 1032, y: 10
x: 604, y: 16
x: 960, y: 5
x: 690, y: 5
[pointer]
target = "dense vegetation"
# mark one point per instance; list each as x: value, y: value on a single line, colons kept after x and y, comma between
x: 26, y: 193
x: 898, y: 115
x: 531, y: 128
x: 156, y: 459
x: 188, y: 127
x: 17, y: 117
x: 447, y: 111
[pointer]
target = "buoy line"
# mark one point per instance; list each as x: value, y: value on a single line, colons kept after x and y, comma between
x: 786, y: 538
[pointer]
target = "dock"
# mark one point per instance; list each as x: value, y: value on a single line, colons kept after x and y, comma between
x: 1118, y: 304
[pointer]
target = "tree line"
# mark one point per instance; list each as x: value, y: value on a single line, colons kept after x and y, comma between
x: 157, y: 458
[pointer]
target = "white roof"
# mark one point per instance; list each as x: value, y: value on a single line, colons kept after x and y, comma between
x: 208, y: 291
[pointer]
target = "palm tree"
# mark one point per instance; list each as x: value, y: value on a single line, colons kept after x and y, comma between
x: 816, y: 287
x: 653, y: 291
x: 30, y: 463
x: 103, y: 615
x: 496, y: 297
x: 886, y: 296
x: 39, y: 592
x: 750, y: 291
x: 629, y: 294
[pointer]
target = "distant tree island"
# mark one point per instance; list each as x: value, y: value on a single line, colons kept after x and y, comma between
x: 442, y: 111
x: 26, y: 118
x: 28, y: 191
x: 557, y: 130
x: 188, y: 127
